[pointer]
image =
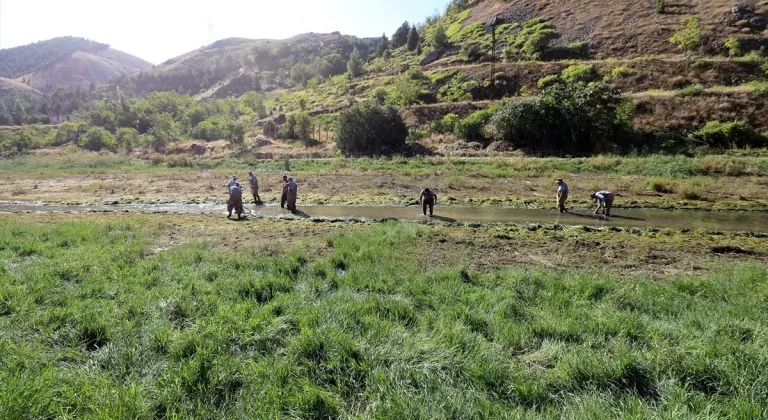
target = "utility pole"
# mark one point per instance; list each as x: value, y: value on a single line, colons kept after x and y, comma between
x: 494, y: 24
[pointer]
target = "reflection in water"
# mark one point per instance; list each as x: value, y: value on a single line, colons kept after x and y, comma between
x: 643, y: 218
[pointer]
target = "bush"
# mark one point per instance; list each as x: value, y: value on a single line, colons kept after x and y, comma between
x: 584, y: 73
x: 660, y: 6
x: 724, y: 135
x: 622, y: 72
x: 473, y: 126
x: 689, y: 38
x: 563, y: 119
x: 366, y: 129
x: 97, y: 139
x: 548, y: 81
x: 19, y: 141
x: 531, y: 42
x: 734, y: 47
x: 445, y: 125
x: 764, y: 68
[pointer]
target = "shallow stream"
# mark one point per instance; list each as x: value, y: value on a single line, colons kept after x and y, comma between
x: 641, y: 218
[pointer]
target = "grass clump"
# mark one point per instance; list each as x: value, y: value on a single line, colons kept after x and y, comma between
x: 694, y: 90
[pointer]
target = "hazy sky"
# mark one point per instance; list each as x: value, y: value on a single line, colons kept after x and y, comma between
x: 157, y: 30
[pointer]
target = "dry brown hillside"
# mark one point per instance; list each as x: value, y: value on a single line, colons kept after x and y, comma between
x: 622, y: 28
x: 83, y: 68
x: 13, y: 86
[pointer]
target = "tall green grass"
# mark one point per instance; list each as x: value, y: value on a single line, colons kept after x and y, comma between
x: 656, y: 166
x: 95, y: 323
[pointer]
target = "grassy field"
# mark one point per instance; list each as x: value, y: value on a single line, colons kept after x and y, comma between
x: 169, y: 317
x: 713, y: 182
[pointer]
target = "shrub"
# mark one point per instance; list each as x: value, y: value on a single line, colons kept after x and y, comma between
x: 622, y: 72
x: 660, y: 185
x: 694, y: 90
x: 660, y: 6
x: 366, y: 129
x: 531, y: 42
x: 548, y: 81
x: 734, y: 47
x: 581, y: 73
x: 723, y: 135
x: 473, y: 126
x: 688, y: 39
x: 445, y: 125
x: 380, y: 96
x: 764, y: 68
x: 97, y: 139
x: 19, y: 141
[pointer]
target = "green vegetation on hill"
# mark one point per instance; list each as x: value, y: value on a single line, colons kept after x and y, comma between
x: 26, y: 59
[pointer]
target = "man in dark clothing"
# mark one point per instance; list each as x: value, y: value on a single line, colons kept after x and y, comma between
x: 428, y: 199
x: 284, y: 198
x: 235, y: 201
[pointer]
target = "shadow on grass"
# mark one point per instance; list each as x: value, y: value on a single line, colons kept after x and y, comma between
x: 443, y: 219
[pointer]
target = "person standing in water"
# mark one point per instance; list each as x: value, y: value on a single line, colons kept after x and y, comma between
x: 232, y: 183
x: 284, y: 197
x: 254, y: 188
x: 293, y: 191
x: 428, y: 199
x: 562, y: 195
x: 605, y: 202
x: 235, y: 201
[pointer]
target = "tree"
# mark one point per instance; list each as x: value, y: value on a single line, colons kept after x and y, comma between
x: 439, y: 37
x: 163, y: 130
x: 400, y: 37
x: 127, y: 138
x: 5, y: 116
x: 383, y: 45
x: 367, y: 129
x: 18, y: 113
x: 564, y: 119
x: 688, y: 39
x: 355, y: 64
x: 413, y: 39
x: 236, y: 132
x: 303, y: 126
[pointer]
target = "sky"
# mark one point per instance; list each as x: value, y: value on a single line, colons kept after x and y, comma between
x: 157, y: 30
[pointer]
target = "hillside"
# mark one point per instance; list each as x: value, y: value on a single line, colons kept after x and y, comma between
x: 10, y: 86
x: 236, y: 65
x: 66, y: 62
x: 634, y: 28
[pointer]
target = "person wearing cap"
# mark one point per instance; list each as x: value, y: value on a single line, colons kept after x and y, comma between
x: 254, y: 188
x: 232, y: 183
x: 605, y: 202
x: 428, y: 199
x: 293, y: 190
x: 562, y: 195
x: 235, y: 201
x: 284, y: 197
